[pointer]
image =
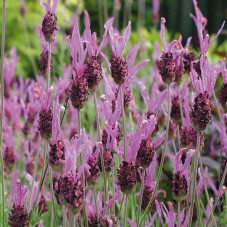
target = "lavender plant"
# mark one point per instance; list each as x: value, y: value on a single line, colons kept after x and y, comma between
x: 107, y: 144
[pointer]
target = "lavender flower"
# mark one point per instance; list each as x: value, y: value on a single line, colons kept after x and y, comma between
x: 49, y: 21
x: 18, y: 215
x: 119, y: 69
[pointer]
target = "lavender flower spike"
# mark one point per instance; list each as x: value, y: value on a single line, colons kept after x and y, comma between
x: 18, y: 215
x: 49, y: 21
x: 119, y: 68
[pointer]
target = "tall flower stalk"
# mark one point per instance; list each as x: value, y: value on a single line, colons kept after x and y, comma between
x: 2, y: 113
x: 162, y: 160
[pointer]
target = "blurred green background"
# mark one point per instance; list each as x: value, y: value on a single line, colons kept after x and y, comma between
x: 140, y: 12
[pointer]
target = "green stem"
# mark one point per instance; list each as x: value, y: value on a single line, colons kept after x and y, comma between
x: 2, y: 112
x: 194, y: 177
x: 178, y: 214
x: 141, y: 196
x: 119, y: 213
x: 125, y: 212
x: 123, y: 117
x: 206, y: 192
x: 162, y: 161
x: 99, y: 139
x: 64, y: 216
x: 219, y: 192
x: 83, y: 177
x: 53, y: 211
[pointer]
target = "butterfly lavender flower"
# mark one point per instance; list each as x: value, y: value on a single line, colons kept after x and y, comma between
x: 79, y: 87
x: 56, y: 157
x: 18, y: 215
x: 119, y: 69
x: 201, y: 111
x: 49, y: 21
x: 93, y: 71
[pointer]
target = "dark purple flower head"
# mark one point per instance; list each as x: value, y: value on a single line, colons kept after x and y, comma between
x: 126, y: 177
x: 188, y: 58
x: 92, y: 175
x: 56, y: 157
x: 167, y: 64
x: 22, y: 8
x: 49, y: 21
x: 119, y: 68
x: 145, y: 153
x: 201, y: 111
x: 93, y: 70
x: 179, y: 186
x: 18, y: 216
x: 108, y: 161
x: 79, y: 86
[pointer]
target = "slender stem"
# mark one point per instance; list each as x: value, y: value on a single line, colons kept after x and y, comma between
x: 123, y: 117
x: 219, y: 192
x: 162, y: 161
x: 125, y: 212
x: 199, y: 215
x: 131, y: 122
x: 83, y: 177
x: 206, y: 192
x: 63, y: 116
x: 181, y: 108
x: 31, y: 57
x: 141, y: 197
x: 194, y: 177
x: 119, y: 213
x: 48, y: 65
x: 64, y: 216
x: 99, y: 139
x: 113, y: 187
x: 178, y: 214
x: 35, y: 169
x: 190, y: 185
x: 174, y: 147
x: 2, y: 112
x: 43, y: 174
x: 53, y: 211
x: 96, y: 207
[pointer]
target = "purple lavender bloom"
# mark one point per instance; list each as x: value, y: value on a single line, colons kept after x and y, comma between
x: 18, y: 215
x: 79, y: 87
x: 167, y: 64
x: 93, y: 71
x: 119, y: 68
x: 201, y: 111
x: 43, y: 60
x: 56, y: 157
x: 49, y: 21
x: 22, y: 8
